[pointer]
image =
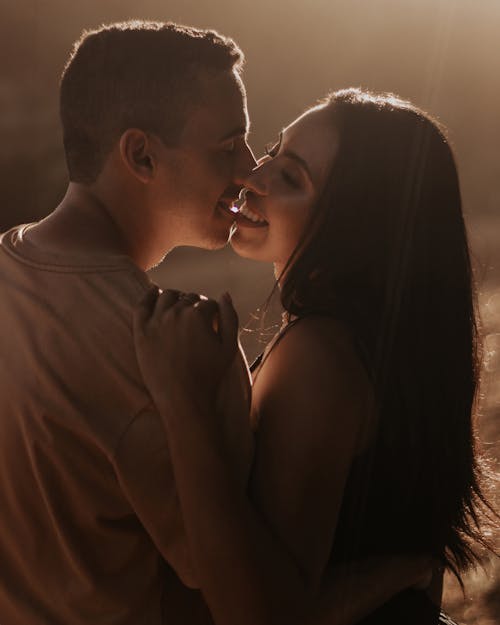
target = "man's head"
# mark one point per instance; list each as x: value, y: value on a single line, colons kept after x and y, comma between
x: 161, y: 107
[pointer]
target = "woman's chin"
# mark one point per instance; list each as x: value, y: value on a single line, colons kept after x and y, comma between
x: 247, y: 248
x: 245, y: 251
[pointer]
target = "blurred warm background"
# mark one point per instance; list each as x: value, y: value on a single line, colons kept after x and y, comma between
x: 442, y: 54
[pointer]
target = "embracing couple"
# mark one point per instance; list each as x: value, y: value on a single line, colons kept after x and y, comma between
x: 136, y: 449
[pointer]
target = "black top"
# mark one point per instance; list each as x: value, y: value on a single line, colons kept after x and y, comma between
x: 378, y: 517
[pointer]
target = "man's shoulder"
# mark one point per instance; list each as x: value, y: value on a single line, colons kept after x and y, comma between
x: 120, y: 287
x: 77, y: 282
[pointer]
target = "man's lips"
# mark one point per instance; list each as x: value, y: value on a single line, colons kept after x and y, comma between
x: 226, y: 205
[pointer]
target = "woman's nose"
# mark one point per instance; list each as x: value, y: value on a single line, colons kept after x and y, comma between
x: 256, y: 180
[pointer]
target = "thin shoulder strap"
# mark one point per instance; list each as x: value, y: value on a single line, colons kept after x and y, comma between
x: 261, y: 358
x: 359, y: 346
x: 256, y: 362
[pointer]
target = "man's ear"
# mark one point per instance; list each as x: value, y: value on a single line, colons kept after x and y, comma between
x: 138, y: 154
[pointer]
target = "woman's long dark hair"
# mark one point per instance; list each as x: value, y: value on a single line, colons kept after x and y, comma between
x: 387, y: 253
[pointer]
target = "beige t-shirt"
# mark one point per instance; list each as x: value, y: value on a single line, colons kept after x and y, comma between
x: 88, y: 508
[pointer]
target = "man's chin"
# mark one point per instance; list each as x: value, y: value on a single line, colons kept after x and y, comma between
x: 216, y: 244
x: 217, y: 240
x: 212, y: 236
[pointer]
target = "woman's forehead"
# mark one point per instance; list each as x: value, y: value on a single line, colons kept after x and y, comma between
x: 314, y: 137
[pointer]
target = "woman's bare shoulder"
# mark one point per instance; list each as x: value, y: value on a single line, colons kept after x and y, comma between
x: 315, y: 369
x: 317, y: 342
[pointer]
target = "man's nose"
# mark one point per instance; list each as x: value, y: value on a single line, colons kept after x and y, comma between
x: 256, y: 180
x: 244, y: 165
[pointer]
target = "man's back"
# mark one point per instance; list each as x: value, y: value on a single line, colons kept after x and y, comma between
x: 87, y: 501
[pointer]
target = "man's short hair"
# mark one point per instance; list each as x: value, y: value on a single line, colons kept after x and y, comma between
x: 135, y: 74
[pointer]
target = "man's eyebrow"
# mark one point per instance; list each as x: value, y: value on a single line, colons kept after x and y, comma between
x: 241, y: 131
x: 299, y: 160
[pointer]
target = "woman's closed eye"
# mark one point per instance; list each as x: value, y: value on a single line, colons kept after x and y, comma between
x: 289, y: 179
x: 272, y: 149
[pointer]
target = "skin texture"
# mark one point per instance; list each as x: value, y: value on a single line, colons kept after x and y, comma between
x: 264, y: 556
x: 283, y: 189
x: 149, y: 197
x: 312, y: 374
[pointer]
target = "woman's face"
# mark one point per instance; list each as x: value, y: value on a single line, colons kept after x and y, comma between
x: 283, y: 188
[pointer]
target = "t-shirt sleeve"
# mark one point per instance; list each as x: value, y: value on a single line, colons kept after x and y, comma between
x: 145, y: 474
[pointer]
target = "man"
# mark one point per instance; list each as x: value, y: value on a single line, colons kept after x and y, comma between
x: 154, y: 121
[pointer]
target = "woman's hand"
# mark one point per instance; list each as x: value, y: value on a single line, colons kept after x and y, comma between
x: 187, y: 351
x: 185, y: 344
x: 424, y: 574
x: 430, y: 579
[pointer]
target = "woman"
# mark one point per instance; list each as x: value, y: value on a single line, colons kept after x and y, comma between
x: 362, y: 403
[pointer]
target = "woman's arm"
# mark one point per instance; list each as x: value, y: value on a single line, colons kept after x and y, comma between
x: 264, y: 563
x: 351, y: 592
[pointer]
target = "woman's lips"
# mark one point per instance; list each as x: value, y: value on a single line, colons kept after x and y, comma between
x: 246, y: 215
x: 241, y: 213
x: 250, y: 215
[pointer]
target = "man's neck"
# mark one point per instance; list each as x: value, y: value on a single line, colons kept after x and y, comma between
x: 84, y: 224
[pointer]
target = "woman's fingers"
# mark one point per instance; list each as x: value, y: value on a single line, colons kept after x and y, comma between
x: 156, y: 303
x: 191, y: 298
x: 168, y: 299
x: 218, y: 317
x: 172, y: 298
x: 209, y: 310
x: 426, y: 567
